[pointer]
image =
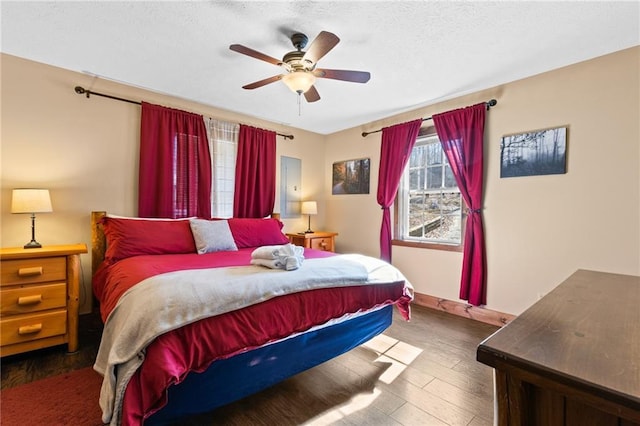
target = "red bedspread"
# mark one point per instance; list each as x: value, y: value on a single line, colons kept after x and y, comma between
x: 112, y: 280
x: 193, y: 347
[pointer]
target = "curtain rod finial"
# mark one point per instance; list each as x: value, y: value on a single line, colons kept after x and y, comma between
x: 80, y: 90
x: 491, y: 103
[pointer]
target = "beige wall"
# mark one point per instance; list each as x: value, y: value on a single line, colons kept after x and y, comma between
x: 85, y: 151
x: 539, y: 229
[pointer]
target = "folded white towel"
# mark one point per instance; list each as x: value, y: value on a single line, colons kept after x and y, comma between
x: 293, y: 262
x: 290, y: 250
x: 269, y: 263
x: 288, y: 256
x: 266, y: 252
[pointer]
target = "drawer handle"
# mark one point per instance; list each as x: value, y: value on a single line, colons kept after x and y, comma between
x: 27, y: 272
x: 29, y: 329
x: 29, y: 300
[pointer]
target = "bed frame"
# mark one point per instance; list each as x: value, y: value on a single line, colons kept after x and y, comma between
x: 234, y: 378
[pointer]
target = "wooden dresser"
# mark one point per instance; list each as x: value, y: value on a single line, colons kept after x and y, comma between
x: 39, y: 297
x: 573, y: 358
x: 315, y: 240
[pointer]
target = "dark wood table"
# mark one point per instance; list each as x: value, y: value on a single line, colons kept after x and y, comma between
x: 573, y: 358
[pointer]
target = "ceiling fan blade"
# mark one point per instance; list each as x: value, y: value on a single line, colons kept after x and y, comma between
x: 345, y: 75
x: 254, y: 54
x: 312, y: 95
x: 264, y: 82
x: 321, y: 46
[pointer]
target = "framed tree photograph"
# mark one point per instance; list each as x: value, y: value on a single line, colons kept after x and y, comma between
x: 540, y: 152
x: 351, y: 177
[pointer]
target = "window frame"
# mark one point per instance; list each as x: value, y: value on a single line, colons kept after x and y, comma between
x: 395, y: 241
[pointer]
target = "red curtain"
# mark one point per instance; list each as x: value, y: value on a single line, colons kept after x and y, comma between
x: 175, y: 165
x: 255, y: 189
x: 461, y: 133
x: 397, y: 143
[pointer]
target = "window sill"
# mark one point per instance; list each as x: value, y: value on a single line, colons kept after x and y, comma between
x: 431, y: 246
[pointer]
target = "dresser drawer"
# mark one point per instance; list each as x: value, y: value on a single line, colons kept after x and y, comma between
x: 33, y: 298
x: 28, y: 271
x: 325, y: 244
x: 32, y: 327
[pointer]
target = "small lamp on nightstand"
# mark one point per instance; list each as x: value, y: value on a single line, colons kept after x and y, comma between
x: 31, y: 201
x: 309, y: 207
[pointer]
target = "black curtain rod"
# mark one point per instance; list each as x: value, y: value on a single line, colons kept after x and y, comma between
x: 80, y: 90
x: 489, y: 104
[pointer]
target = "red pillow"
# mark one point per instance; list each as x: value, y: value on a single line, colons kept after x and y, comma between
x: 257, y: 232
x: 127, y: 237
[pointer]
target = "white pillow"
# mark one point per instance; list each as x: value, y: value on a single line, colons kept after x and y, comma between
x: 212, y: 235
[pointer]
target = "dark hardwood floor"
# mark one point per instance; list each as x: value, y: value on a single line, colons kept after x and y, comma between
x: 421, y: 372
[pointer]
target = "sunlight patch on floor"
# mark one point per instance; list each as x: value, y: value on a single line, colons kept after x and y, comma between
x: 395, y: 354
x: 356, y: 403
x: 403, y: 352
x: 393, y: 371
x: 380, y: 343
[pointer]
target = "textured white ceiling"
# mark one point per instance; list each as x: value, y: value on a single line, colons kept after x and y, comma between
x: 418, y: 52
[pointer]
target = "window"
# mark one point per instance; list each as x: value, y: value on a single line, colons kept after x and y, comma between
x: 429, y: 204
x: 223, y: 145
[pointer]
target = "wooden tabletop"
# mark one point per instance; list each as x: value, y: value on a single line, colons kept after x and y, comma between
x: 584, y: 333
x: 44, y: 251
x: 315, y: 234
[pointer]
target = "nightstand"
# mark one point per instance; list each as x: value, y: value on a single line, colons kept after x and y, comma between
x: 315, y: 240
x: 39, y: 297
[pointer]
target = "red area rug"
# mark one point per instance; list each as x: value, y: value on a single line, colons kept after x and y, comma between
x: 66, y: 399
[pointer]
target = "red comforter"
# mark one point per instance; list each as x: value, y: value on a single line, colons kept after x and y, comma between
x: 193, y: 347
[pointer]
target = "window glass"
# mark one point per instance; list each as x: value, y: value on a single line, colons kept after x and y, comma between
x: 223, y: 146
x: 429, y: 205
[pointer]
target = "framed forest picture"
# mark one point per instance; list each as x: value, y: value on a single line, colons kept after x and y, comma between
x: 351, y: 177
x: 540, y: 152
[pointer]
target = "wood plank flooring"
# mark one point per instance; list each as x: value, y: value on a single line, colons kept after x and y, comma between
x: 421, y: 372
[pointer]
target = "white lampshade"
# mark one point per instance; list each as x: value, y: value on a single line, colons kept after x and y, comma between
x: 309, y: 207
x: 299, y: 81
x: 30, y: 201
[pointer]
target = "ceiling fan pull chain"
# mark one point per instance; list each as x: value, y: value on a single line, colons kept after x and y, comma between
x: 299, y: 104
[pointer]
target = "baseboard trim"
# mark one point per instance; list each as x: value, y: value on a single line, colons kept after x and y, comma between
x: 463, y: 310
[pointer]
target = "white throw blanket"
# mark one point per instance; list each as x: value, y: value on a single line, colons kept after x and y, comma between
x: 288, y: 257
x: 168, y: 301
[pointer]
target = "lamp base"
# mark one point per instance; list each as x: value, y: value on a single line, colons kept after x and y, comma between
x: 32, y: 244
x: 309, y: 231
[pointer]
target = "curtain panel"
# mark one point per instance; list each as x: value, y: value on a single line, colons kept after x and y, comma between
x: 175, y: 165
x: 395, y: 151
x: 461, y: 133
x: 255, y: 187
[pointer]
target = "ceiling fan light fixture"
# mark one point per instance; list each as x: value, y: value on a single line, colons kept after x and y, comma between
x: 299, y: 81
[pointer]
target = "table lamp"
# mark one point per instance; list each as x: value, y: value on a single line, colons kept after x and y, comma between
x: 309, y: 207
x: 31, y: 201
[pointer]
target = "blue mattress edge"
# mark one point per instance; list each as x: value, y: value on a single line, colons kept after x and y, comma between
x: 231, y: 379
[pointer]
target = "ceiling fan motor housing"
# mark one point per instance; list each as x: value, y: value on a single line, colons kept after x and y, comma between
x: 295, y: 58
x: 295, y: 61
x: 299, y: 40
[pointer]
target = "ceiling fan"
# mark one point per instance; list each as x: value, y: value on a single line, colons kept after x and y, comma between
x: 301, y: 66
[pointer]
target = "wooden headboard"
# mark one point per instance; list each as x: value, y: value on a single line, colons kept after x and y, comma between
x: 99, y: 242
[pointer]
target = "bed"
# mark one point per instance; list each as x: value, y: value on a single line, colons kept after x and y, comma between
x: 191, y: 324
